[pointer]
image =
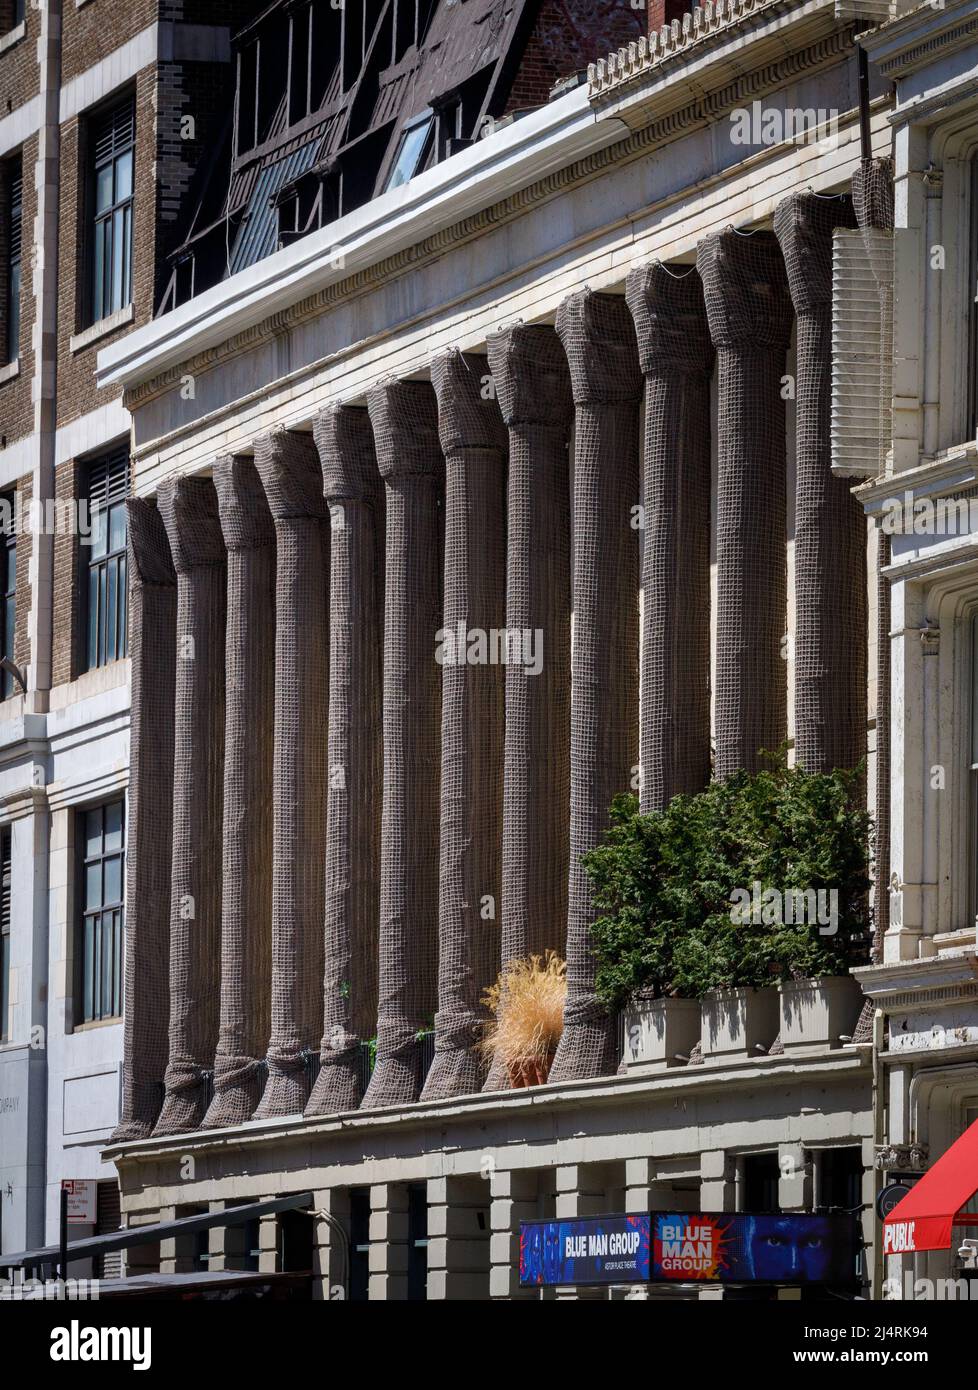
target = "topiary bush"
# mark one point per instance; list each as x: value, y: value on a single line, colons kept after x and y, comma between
x: 758, y: 878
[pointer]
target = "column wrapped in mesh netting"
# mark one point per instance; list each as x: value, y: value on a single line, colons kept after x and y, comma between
x: 246, y: 916
x: 288, y: 466
x: 830, y: 527
x: 473, y: 441
x: 532, y: 383
x: 355, y: 495
x: 152, y: 653
x: 749, y: 312
x: 873, y: 201
x: 189, y: 510
x: 599, y: 338
x: 404, y: 416
x: 677, y: 361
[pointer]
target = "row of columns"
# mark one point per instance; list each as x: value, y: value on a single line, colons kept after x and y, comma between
x: 388, y: 831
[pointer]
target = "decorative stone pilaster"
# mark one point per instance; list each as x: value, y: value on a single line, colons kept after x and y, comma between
x: 152, y: 652
x: 404, y: 416
x: 599, y: 338
x: 749, y: 312
x: 246, y: 930
x: 288, y: 466
x: 830, y: 527
x: 677, y: 360
x: 473, y: 441
x: 189, y: 510
x: 355, y: 495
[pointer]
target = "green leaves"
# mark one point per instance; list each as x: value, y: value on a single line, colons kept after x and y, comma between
x: 666, y: 883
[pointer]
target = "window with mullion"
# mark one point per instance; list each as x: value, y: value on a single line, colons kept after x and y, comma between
x: 113, y: 150
x: 103, y: 856
x: 14, y: 240
x: 8, y: 551
x: 108, y: 484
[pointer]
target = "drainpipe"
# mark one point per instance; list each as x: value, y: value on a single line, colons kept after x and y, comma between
x: 879, y: 1134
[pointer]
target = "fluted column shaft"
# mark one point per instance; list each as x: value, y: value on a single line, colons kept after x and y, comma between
x: 355, y: 495
x: 749, y: 312
x: 599, y: 338
x: 152, y: 651
x: 288, y: 466
x: 677, y: 361
x: 404, y: 418
x: 189, y: 510
x: 830, y: 527
x: 246, y: 929
x: 473, y: 441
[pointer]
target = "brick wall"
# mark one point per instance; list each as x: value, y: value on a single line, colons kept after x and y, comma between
x: 567, y: 35
x: 16, y: 406
x: 19, y: 74
x: 67, y: 605
x: 22, y: 645
x: 98, y: 28
x: 665, y: 11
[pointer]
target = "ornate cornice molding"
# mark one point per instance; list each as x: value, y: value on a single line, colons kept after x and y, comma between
x: 702, y: 111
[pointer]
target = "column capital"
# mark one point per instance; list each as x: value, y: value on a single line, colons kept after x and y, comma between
x: 746, y: 290
x: 404, y: 416
x: 346, y: 450
x: 467, y: 419
x: 803, y: 224
x: 188, y: 507
x: 288, y: 465
x: 149, y: 548
x: 670, y: 320
x: 532, y: 380
x: 602, y: 352
x: 242, y: 506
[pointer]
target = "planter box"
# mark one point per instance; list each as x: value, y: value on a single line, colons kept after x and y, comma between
x: 657, y: 1029
x: 736, y: 1020
x: 814, y: 1013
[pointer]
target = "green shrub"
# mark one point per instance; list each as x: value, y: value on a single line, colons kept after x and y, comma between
x: 669, y: 884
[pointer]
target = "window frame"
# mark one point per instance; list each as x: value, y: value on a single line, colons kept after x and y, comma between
x: 8, y: 594
x: 13, y: 213
x: 101, y: 292
x: 6, y: 925
x: 105, y: 499
x: 99, y: 988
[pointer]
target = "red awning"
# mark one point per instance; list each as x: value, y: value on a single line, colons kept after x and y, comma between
x: 923, y: 1219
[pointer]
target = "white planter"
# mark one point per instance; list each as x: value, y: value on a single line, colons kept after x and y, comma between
x: 738, y: 1023
x: 659, y: 1033
x: 816, y: 1013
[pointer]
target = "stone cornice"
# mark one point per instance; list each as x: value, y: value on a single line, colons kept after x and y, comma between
x: 701, y: 111
x: 921, y: 37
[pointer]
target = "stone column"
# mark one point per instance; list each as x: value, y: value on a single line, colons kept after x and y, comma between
x: 599, y: 338
x: 529, y: 371
x: 388, y: 1255
x: 149, y: 858
x: 749, y: 311
x: 355, y: 495
x: 289, y: 469
x: 404, y: 416
x: 514, y: 1198
x: 473, y: 441
x: 458, y: 1239
x: 189, y: 510
x: 246, y: 930
x: 677, y: 359
x: 830, y: 526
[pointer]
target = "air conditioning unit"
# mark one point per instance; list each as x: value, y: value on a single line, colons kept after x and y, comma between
x: 862, y: 351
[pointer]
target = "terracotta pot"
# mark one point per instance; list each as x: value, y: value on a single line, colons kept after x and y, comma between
x: 529, y: 1071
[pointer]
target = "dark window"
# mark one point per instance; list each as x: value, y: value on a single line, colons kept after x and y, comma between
x: 760, y: 1182
x: 417, y: 1243
x: 18, y: 13
x: 359, y: 1244
x: 5, y: 916
x: 113, y: 150
x: 973, y: 305
x: 103, y: 856
x: 14, y: 242
x: 840, y: 1178
x: 295, y: 1242
x: 108, y: 483
x: 8, y: 542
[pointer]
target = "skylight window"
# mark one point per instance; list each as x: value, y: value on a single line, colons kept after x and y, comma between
x: 411, y: 151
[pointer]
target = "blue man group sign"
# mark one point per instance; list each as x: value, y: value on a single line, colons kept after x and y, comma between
x: 605, y: 1250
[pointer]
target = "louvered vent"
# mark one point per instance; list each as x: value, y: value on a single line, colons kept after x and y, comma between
x: 114, y: 132
x: 5, y: 879
x: 108, y: 478
x: 862, y: 351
